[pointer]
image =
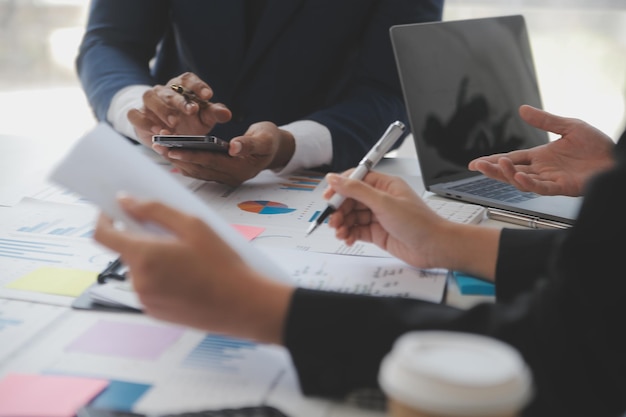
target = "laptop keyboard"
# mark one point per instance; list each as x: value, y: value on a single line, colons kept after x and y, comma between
x: 457, y: 212
x: 496, y: 190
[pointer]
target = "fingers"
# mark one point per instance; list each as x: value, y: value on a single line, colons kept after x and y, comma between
x: 181, y: 224
x: 259, y: 141
x: 145, y: 123
x: 492, y: 159
x: 526, y: 182
x: 543, y: 120
x: 193, y: 83
x: 352, y: 225
x: 168, y: 105
x: 329, y: 192
x: 507, y: 170
x: 215, y: 113
x: 177, y: 222
x: 107, y: 235
x: 519, y: 157
x: 356, y: 190
x: 487, y: 168
x: 189, y: 112
x: 209, y: 115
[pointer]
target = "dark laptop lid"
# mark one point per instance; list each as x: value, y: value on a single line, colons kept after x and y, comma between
x: 463, y: 82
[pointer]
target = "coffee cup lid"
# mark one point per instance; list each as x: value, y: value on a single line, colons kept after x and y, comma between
x: 453, y: 373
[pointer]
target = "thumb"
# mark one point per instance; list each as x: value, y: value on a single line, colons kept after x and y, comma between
x: 221, y: 112
x: 246, y: 145
x: 355, y: 189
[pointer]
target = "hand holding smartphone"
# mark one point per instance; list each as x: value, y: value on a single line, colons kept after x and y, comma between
x: 194, y: 142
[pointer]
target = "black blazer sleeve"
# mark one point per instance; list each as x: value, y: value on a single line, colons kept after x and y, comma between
x: 523, y: 256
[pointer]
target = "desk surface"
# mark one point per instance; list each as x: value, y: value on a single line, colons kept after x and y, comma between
x: 161, y: 364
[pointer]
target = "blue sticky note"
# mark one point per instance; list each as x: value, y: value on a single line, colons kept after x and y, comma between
x: 120, y: 396
x: 469, y: 285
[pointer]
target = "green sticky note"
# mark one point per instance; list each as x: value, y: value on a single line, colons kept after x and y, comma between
x: 58, y: 281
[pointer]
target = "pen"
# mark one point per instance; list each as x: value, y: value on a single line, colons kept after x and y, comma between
x: 190, y: 96
x: 391, y: 135
x: 112, y: 271
x: 523, y: 220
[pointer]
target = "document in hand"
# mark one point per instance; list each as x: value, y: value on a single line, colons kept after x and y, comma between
x: 104, y: 164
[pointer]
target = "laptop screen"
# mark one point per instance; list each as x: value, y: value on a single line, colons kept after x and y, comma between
x: 463, y: 82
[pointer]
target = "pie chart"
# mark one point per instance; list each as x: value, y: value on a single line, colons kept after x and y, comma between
x: 265, y: 207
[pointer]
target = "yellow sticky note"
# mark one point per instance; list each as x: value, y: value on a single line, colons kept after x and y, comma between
x: 58, y: 281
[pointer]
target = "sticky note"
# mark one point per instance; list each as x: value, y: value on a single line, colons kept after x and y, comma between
x: 469, y: 285
x: 23, y: 395
x: 58, y: 281
x: 249, y: 232
x: 120, y: 396
x: 127, y: 340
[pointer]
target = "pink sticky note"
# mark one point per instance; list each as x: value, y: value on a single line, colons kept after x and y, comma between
x: 127, y: 340
x: 249, y: 232
x: 46, y: 395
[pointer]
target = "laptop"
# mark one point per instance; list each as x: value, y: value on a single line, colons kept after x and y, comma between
x: 463, y: 82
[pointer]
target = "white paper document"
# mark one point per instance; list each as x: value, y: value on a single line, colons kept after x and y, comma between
x: 116, y: 294
x: 285, y: 207
x: 385, y: 277
x: 38, y: 236
x: 181, y: 369
x: 103, y: 164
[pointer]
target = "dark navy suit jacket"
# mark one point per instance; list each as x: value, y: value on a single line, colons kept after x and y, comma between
x: 329, y: 61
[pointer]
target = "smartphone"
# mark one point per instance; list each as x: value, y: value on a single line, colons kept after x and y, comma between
x: 197, y: 142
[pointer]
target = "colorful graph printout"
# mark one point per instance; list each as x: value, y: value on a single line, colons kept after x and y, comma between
x: 265, y: 207
x: 301, y: 183
x: 219, y: 352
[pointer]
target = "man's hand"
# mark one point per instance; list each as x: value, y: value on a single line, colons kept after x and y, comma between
x: 263, y: 146
x: 167, y: 112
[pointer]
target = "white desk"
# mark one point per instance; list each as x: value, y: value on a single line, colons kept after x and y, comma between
x: 56, y: 339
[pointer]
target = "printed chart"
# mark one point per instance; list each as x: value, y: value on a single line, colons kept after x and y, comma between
x: 47, y: 252
x: 219, y: 352
x: 294, y: 200
x: 265, y: 207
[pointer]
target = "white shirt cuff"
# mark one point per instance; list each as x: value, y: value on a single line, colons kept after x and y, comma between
x: 314, y: 146
x: 127, y: 98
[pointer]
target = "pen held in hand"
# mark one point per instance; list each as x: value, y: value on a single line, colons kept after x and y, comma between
x: 384, y: 144
x: 190, y: 96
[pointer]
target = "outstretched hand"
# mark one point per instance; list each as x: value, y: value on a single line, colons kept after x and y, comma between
x: 560, y: 167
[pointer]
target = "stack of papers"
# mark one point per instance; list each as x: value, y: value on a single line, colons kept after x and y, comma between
x: 115, y: 294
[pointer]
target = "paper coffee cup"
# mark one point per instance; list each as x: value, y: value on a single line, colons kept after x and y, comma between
x: 437, y: 373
